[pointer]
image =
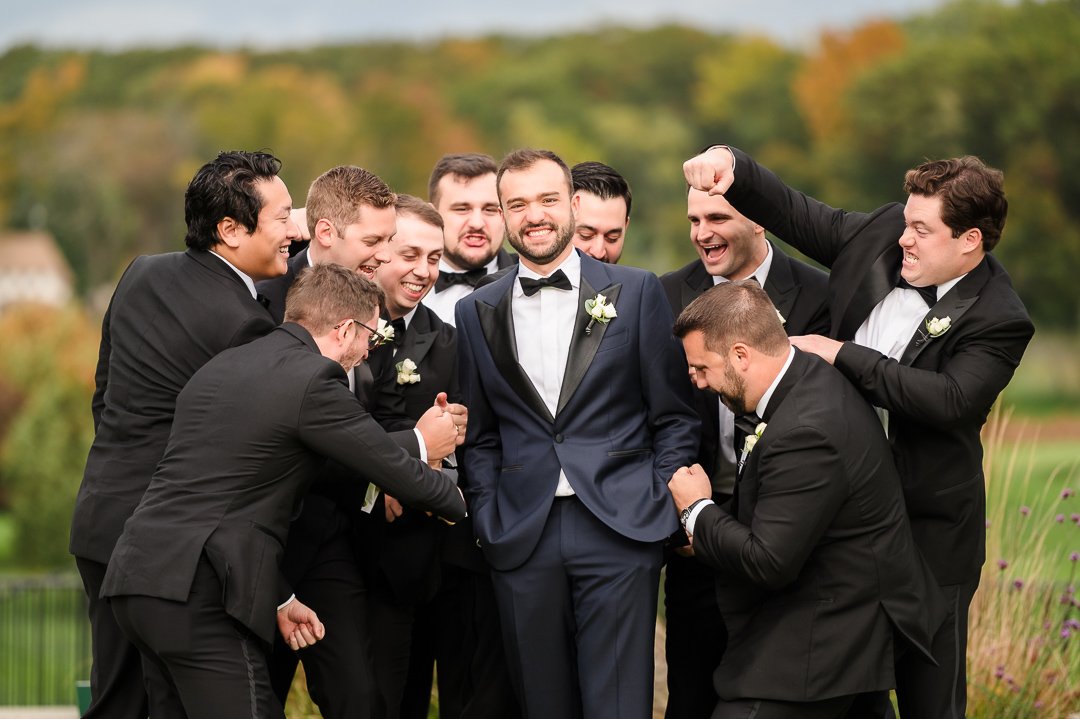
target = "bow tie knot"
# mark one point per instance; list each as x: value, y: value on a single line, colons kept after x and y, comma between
x: 929, y: 293
x: 558, y: 281
x: 449, y: 279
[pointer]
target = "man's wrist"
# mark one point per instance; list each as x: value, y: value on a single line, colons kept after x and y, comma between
x: 287, y: 602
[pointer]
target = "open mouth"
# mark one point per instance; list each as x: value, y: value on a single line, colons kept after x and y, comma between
x: 713, y: 253
x: 413, y: 288
x: 368, y: 270
x: 476, y: 240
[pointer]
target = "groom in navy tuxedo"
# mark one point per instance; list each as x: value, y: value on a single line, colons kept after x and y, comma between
x: 575, y: 428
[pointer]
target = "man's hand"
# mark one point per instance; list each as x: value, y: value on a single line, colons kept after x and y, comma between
x: 459, y: 412
x: 712, y: 171
x: 688, y: 485
x: 299, y: 625
x: 823, y: 347
x: 299, y: 216
x: 439, y: 431
x: 392, y: 508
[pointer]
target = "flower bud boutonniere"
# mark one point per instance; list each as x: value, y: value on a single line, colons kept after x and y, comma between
x: 385, y: 332
x: 782, y: 320
x: 750, y: 442
x: 599, y: 310
x: 936, y: 327
x: 406, y: 371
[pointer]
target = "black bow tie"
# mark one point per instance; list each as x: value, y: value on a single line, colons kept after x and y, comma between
x: 929, y: 293
x: 747, y: 423
x: 559, y: 281
x: 399, y: 330
x: 449, y: 279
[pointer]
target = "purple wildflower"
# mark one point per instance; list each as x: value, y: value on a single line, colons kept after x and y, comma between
x: 1018, y: 584
x: 1000, y: 671
x: 988, y: 524
x: 1075, y: 517
x: 1066, y: 493
x: 1025, y: 510
x: 1002, y: 564
x: 1065, y: 633
x: 1059, y: 518
x: 1074, y: 556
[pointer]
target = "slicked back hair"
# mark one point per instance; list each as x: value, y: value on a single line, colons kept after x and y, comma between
x: 226, y: 187
x: 735, y: 312
x: 413, y: 206
x: 972, y: 195
x: 524, y: 159
x: 340, y: 194
x: 599, y: 179
x: 323, y: 295
x: 467, y: 165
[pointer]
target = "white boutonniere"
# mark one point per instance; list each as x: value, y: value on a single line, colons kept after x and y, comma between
x: 406, y: 371
x: 385, y: 332
x: 599, y: 310
x: 752, y: 439
x: 936, y: 327
x: 782, y: 320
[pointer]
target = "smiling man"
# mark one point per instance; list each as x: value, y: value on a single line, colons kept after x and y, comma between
x: 575, y: 429
x: 603, y: 213
x: 170, y: 314
x: 894, y: 272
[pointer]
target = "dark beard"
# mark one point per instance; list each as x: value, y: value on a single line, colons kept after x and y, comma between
x: 563, y: 236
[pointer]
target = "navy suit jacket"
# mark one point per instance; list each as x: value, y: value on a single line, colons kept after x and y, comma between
x: 620, y: 430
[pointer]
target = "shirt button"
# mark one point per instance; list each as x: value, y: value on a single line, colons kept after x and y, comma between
x: 558, y: 438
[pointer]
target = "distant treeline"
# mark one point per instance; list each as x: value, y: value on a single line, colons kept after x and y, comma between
x: 97, y: 147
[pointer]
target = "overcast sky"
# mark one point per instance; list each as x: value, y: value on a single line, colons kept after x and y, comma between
x: 117, y: 24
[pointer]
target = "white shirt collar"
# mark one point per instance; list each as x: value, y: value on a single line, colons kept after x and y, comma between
x: 764, y: 401
x: 247, y: 280
x: 409, y: 315
x: 946, y: 286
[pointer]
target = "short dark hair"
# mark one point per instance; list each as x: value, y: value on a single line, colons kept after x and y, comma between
x: 467, y: 165
x: 601, y: 180
x: 734, y: 312
x: 226, y: 187
x: 972, y: 195
x: 325, y: 294
x: 341, y: 193
x: 423, y: 211
x: 524, y: 159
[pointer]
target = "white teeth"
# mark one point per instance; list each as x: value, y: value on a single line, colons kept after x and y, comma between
x: 412, y: 287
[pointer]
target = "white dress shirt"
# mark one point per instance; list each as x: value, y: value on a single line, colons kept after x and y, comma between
x: 248, y: 282
x: 543, y: 328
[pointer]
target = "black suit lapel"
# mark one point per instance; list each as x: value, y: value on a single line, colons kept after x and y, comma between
x: 498, y: 325
x: 419, y: 338
x: 583, y: 346
x: 696, y: 282
x: 780, y: 284
x: 879, y: 281
x: 953, y: 305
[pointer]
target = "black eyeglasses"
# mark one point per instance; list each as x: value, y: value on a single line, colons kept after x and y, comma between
x: 375, y: 338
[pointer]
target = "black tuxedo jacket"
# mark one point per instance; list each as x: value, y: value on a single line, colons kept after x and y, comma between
x: 251, y: 430
x: 939, y: 394
x: 169, y: 315
x: 406, y: 551
x: 799, y: 293
x: 818, y: 566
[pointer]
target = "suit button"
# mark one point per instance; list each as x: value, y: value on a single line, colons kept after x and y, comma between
x: 558, y: 438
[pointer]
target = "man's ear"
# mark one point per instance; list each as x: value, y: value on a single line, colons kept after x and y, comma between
x: 324, y: 232
x: 970, y: 240
x: 229, y: 232
x: 739, y: 355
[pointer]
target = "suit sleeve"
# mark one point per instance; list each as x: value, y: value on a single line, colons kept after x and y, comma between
x: 964, y: 388
x: 676, y: 426
x: 810, y: 226
x: 334, y: 424
x: 802, y: 487
x: 101, y: 374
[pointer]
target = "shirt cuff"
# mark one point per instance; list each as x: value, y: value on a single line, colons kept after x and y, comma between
x: 423, y: 447
x: 287, y: 602
x: 694, y: 514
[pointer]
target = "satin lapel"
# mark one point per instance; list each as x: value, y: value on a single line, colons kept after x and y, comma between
x: 780, y: 285
x: 498, y: 325
x: 953, y: 305
x: 419, y: 338
x: 583, y: 346
x: 696, y: 282
x: 879, y: 281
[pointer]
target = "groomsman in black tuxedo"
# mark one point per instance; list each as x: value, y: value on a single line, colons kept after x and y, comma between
x: 925, y: 322
x: 195, y: 579
x: 603, y: 214
x: 169, y: 315
x: 730, y: 247
x: 351, y: 220
x: 574, y: 431
x: 818, y: 576
x: 462, y: 189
